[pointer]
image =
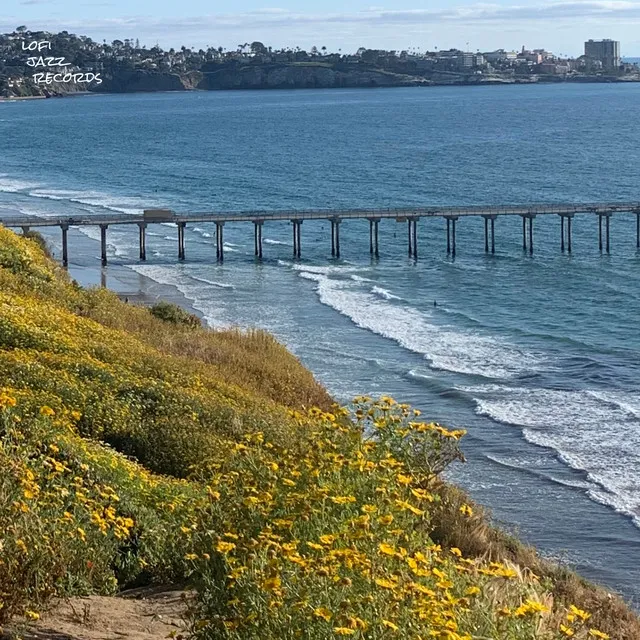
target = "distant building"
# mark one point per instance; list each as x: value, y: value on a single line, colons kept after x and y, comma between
x: 500, y: 56
x: 466, y: 59
x: 606, y: 51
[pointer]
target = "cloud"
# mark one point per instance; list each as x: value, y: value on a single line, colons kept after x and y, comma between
x: 376, y: 16
x: 374, y: 23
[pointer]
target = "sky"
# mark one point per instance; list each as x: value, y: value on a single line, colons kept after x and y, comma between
x: 560, y: 26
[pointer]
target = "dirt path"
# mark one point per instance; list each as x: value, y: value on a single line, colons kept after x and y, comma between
x: 141, y: 614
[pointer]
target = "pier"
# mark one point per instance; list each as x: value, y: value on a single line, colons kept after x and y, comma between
x: 412, y: 216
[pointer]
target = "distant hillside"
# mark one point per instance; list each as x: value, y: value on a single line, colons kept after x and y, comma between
x: 126, y: 66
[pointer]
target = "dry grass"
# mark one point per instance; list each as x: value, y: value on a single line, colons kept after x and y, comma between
x: 477, y: 537
x: 253, y: 359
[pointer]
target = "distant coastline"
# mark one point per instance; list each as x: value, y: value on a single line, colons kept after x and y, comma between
x: 129, y: 67
x: 308, y: 76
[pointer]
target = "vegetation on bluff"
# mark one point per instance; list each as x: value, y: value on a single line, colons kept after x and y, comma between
x: 135, y: 449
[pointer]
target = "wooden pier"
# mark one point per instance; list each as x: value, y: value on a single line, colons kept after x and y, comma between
x: 451, y: 215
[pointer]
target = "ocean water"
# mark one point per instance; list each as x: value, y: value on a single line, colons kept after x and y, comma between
x: 537, y: 356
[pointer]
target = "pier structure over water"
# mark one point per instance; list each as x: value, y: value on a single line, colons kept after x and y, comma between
x: 412, y: 216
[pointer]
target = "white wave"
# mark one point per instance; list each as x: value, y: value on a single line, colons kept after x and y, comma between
x: 11, y: 185
x: 592, y: 432
x: 213, y: 283
x: 174, y: 276
x: 449, y: 349
x: 361, y: 279
x: 26, y: 211
x: 203, y: 233
x: 97, y: 199
x: 328, y: 270
x: 270, y: 241
x: 384, y: 293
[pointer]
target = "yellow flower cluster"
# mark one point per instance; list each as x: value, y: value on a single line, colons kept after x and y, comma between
x: 329, y: 537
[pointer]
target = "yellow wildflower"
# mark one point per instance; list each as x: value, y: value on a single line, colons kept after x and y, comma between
x: 322, y: 612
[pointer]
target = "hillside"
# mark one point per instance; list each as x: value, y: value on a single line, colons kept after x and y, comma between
x: 139, y: 448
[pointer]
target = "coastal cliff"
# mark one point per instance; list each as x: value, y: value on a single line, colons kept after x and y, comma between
x: 139, y: 447
x: 146, y: 81
x: 302, y: 76
x: 308, y: 76
x: 268, y: 76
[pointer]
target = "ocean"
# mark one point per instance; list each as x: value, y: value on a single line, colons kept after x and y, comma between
x: 538, y: 357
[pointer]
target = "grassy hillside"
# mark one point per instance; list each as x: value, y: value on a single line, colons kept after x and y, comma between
x: 137, y: 448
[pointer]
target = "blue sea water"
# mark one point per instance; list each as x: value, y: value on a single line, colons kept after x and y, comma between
x: 537, y: 356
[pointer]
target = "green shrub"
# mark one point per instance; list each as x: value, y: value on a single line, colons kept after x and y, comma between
x: 170, y: 312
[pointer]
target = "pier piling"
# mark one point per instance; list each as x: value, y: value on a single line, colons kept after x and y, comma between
x: 608, y: 226
x: 448, y: 236
x: 65, y: 245
x: 600, y: 232
x: 562, y: 234
x: 295, y: 238
x: 415, y: 237
x: 569, y: 225
x: 335, y: 237
x: 297, y: 224
x: 257, y: 232
x: 453, y: 248
x: 142, y: 226
x: 181, y: 252
x: 531, y: 234
x: 412, y: 226
x: 524, y: 233
x: 370, y: 236
x: 493, y: 234
x: 637, y: 230
x: 486, y: 235
x: 220, y: 241
x: 103, y: 243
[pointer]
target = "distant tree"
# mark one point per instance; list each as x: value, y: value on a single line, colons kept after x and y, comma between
x: 21, y: 29
x: 258, y: 48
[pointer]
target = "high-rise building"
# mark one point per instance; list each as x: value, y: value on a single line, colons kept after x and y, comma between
x: 607, y: 51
